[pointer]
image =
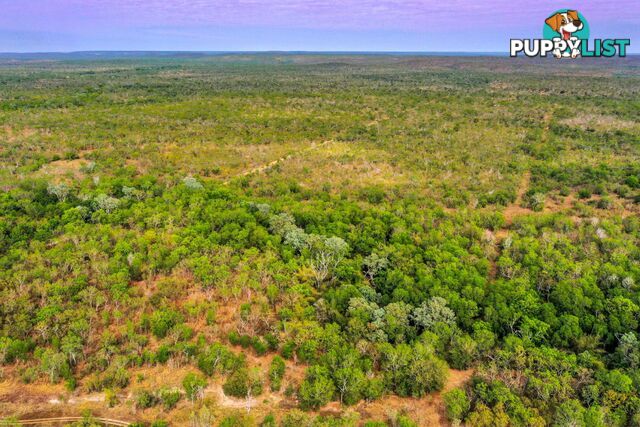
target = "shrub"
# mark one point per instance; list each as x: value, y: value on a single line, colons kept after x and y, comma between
x: 296, y: 418
x: 170, y: 398
x: 288, y: 350
x: 211, y: 316
x: 244, y: 341
x: 276, y: 373
x: 28, y: 375
x: 373, y: 195
x: 145, y: 399
x: 218, y: 359
x: 71, y: 155
x: 12, y: 350
x: 272, y: 342
x: 308, y: 350
x: 373, y: 389
x: 163, y: 354
x: 191, y: 183
x: 536, y: 202
x: 584, y: 193
x: 633, y: 181
x: 60, y: 191
x: 194, y: 386
x: 234, y: 338
x: 55, y: 365
x: 243, y: 383
x: 317, y: 389
x: 106, y: 203
x: 71, y: 383
x: 404, y: 421
x: 111, y: 397
x: 604, y: 203
x: 268, y: 421
x: 236, y: 420
x: 569, y: 413
x: 457, y: 404
x: 162, y: 321
x: 413, y: 371
x: 432, y: 312
x: 259, y: 346
x: 462, y: 351
x: 114, y: 377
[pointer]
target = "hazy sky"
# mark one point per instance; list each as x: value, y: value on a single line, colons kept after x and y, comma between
x: 214, y: 25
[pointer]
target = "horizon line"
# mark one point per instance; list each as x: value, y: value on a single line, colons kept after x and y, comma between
x: 237, y: 51
x: 10, y: 54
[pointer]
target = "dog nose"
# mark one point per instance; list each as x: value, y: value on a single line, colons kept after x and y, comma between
x: 577, y: 22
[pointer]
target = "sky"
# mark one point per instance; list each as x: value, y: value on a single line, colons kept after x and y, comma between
x: 296, y: 25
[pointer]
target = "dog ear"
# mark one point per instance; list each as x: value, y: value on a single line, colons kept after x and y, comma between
x: 573, y: 14
x: 554, y: 22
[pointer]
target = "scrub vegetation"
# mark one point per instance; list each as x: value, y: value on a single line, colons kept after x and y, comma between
x: 309, y: 240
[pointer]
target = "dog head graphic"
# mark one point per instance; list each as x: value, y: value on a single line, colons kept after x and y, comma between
x: 565, y: 23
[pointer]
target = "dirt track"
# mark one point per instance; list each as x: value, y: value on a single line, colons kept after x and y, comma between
x: 64, y: 420
x: 266, y: 166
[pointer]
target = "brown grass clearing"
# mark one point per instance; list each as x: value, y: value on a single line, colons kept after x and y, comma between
x: 599, y: 122
x: 515, y: 208
x: 265, y: 166
x: 39, y: 400
x: 14, y: 135
x: 63, y: 168
x: 343, y: 165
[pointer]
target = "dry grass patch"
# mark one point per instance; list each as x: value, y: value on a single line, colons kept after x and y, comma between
x: 349, y: 165
x: 599, y: 122
x: 59, y: 169
x: 12, y: 134
x: 223, y: 160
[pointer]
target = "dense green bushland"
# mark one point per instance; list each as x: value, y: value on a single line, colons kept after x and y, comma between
x: 127, y: 225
